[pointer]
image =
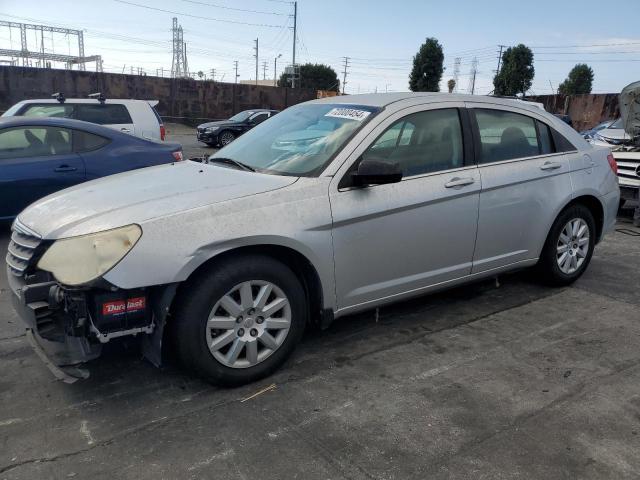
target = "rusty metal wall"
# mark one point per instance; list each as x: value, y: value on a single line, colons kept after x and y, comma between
x: 184, y: 99
x: 586, y: 111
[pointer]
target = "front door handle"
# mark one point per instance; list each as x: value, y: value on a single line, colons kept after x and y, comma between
x: 125, y: 130
x: 550, y: 166
x: 65, y: 168
x: 459, y: 182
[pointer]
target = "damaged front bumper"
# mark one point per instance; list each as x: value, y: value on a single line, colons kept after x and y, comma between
x: 69, y: 327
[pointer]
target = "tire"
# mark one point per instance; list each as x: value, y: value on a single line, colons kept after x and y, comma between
x: 554, y: 267
x: 226, y: 137
x: 211, y: 144
x: 243, y: 349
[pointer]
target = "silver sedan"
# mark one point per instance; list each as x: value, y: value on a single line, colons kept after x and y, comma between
x: 330, y: 207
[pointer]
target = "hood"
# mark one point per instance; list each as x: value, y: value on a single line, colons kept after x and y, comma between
x: 137, y: 196
x: 219, y: 123
x: 614, y: 134
x: 630, y: 108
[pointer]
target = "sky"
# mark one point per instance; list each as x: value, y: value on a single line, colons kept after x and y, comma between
x: 380, y: 38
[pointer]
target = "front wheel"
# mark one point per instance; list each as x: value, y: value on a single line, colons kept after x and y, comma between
x: 226, y: 138
x: 569, y: 246
x: 240, y: 320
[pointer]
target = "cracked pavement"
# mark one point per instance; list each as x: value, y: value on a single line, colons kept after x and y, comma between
x: 483, y: 381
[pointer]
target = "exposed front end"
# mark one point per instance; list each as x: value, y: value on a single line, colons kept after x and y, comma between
x: 68, y: 325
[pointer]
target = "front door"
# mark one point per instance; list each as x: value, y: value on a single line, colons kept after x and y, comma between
x: 395, y: 239
x: 34, y: 162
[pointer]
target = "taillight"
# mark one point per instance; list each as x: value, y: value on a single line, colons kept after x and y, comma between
x: 162, y: 133
x: 178, y: 156
x: 612, y: 163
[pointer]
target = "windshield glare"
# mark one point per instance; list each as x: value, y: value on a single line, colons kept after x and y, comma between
x: 242, y: 116
x: 300, y: 141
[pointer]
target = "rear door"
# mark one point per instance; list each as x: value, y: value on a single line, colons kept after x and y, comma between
x: 34, y: 162
x: 113, y: 115
x: 524, y: 181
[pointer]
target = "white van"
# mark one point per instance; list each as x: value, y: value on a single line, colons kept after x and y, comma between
x: 137, y: 117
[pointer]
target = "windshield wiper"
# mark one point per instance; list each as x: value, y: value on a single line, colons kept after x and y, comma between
x: 231, y: 161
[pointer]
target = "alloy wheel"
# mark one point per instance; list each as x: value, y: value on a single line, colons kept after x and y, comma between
x: 226, y: 138
x: 573, y: 246
x: 248, y: 324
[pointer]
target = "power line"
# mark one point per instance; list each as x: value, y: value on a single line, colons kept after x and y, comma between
x: 197, y: 16
x: 232, y: 8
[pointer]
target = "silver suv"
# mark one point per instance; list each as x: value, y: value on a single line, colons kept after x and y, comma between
x: 331, y: 207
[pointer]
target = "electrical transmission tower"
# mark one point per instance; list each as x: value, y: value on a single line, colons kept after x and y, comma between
x: 257, y: 59
x: 344, y: 73
x: 472, y: 75
x: 179, y: 67
x: 456, y: 73
x: 264, y: 70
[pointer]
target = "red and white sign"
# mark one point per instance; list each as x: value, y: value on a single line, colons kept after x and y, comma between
x: 118, y: 307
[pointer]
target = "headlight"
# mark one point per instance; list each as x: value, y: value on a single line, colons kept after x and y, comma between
x: 78, y: 260
x: 211, y: 129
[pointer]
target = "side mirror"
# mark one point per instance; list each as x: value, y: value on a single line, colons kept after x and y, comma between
x: 376, y: 172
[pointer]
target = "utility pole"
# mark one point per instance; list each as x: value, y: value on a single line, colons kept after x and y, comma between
x: 275, y: 70
x: 499, y: 58
x: 456, y: 73
x: 472, y: 75
x: 236, y: 65
x: 295, y: 29
x: 344, y: 74
x: 213, y: 74
x: 256, y: 55
x: 264, y: 70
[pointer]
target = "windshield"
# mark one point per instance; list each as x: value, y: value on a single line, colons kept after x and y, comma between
x: 616, y: 124
x: 242, y: 116
x: 300, y: 141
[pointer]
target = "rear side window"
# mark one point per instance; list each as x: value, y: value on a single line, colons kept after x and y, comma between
x: 561, y: 143
x: 51, y: 110
x: 86, y: 142
x: 506, y: 135
x: 155, y: 112
x: 107, y: 114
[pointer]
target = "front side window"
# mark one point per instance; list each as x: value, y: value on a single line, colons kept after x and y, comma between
x: 506, y: 135
x: 50, y: 110
x: 21, y: 142
x: 300, y: 141
x: 422, y: 142
x: 103, y: 114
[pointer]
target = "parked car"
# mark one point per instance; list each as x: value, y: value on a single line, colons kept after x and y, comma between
x: 565, y: 118
x: 612, y: 136
x: 224, y: 132
x: 588, y: 134
x: 39, y: 156
x: 395, y: 195
x: 137, y: 117
x: 628, y: 154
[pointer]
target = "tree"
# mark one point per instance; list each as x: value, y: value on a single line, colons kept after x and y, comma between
x: 580, y: 80
x: 427, y: 67
x: 451, y: 84
x: 516, y: 73
x: 200, y: 74
x: 314, y: 75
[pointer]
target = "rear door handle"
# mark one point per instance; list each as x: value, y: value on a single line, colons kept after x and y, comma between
x: 550, y: 166
x: 125, y: 130
x: 459, y: 182
x: 65, y: 168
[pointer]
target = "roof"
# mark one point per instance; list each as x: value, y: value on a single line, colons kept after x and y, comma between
x: 385, y: 99
x: 88, y: 100
x: 6, y: 122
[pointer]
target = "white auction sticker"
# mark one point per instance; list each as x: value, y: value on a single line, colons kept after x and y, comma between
x: 349, y: 113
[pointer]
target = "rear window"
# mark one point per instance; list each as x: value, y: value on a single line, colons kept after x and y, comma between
x: 107, y: 114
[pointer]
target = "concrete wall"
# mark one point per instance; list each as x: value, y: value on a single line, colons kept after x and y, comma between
x: 188, y: 100
x: 586, y: 111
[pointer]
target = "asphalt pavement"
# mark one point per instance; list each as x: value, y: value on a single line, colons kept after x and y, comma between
x: 493, y: 380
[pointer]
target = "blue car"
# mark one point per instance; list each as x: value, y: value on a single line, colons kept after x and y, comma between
x: 39, y: 156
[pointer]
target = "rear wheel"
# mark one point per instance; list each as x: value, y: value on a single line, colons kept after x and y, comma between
x: 240, y: 320
x: 569, y: 246
x: 226, y: 138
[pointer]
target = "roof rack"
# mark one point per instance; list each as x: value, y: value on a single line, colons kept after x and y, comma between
x: 98, y: 96
x: 59, y: 97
